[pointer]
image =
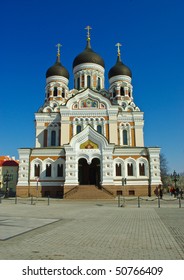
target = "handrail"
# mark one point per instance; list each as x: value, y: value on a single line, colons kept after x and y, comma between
x: 107, y: 191
x: 74, y: 189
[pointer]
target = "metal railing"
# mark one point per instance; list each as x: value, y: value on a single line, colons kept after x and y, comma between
x: 121, y: 201
x: 150, y: 201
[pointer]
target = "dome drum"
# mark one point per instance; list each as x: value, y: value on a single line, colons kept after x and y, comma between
x: 55, y: 78
x: 121, y: 78
x: 86, y: 66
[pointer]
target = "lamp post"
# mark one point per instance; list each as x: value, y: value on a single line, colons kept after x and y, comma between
x: 175, y: 177
x: 7, y: 178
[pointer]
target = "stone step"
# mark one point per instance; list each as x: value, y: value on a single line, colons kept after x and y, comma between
x: 89, y: 192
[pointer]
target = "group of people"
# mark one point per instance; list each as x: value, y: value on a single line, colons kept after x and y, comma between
x: 176, y: 192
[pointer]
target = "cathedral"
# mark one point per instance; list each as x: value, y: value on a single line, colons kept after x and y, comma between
x: 89, y: 140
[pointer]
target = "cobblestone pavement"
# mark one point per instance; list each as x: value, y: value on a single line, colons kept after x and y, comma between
x: 97, y: 230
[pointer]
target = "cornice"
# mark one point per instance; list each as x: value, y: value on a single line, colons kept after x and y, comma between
x: 87, y: 66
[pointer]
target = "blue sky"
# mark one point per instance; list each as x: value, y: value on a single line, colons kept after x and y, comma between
x: 152, y: 36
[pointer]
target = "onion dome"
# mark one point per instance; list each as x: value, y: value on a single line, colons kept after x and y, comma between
x: 119, y: 68
x: 88, y: 55
x: 57, y: 69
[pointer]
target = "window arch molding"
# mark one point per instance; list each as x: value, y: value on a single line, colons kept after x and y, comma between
x: 125, y: 137
x: 48, y: 162
x: 116, y: 166
x: 37, y: 162
x: 130, y: 167
x: 140, y: 162
x: 53, y: 134
x: 59, y: 162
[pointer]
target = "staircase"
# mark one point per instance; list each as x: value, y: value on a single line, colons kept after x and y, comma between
x: 89, y: 192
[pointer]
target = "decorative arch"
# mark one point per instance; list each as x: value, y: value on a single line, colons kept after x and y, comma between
x: 47, y: 109
x: 75, y: 150
x: 130, y: 165
x: 143, y: 167
x: 36, y: 168
x: 125, y: 134
x: 88, y: 133
x: 48, y: 167
x: 119, y: 167
x: 59, y: 166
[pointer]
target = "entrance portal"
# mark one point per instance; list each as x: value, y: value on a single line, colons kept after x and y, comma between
x: 89, y: 174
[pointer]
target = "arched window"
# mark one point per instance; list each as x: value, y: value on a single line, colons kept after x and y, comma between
x: 48, y: 170
x: 118, y: 169
x: 82, y: 81
x: 37, y: 170
x: 53, y: 138
x: 55, y: 91
x: 125, y: 137
x: 98, y: 84
x: 99, y: 128
x: 130, y: 169
x: 78, y: 83
x: 122, y: 92
x: 78, y: 128
x: 141, y: 169
x: 88, y: 81
x: 60, y: 170
x: 63, y: 92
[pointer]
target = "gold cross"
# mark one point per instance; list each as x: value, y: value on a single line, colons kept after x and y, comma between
x: 118, y: 45
x: 58, y: 48
x: 88, y: 31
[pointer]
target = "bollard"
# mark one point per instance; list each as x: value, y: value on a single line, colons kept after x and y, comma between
x: 31, y: 200
x: 138, y: 202
x: 179, y: 202
x: 48, y: 200
x: 15, y: 199
x: 0, y: 200
x: 119, y: 200
x: 158, y: 202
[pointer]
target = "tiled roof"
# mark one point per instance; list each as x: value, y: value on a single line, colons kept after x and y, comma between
x: 7, y: 161
x: 10, y: 163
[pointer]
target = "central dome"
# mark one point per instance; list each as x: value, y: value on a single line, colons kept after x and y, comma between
x: 88, y: 56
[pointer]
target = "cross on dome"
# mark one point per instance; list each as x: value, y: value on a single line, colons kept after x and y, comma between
x: 88, y: 28
x: 118, y: 45
x: 58, y: 49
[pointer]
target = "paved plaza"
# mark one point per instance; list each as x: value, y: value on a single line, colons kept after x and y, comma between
x: 85, y: 230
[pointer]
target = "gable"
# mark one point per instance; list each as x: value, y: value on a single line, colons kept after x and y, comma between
x: 88, y: 99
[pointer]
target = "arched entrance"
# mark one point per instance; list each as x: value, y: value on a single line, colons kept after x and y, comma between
x: 89, y: 174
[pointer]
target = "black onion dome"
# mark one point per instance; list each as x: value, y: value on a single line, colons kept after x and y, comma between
x: 119, y: 69
x: 88, y: 55
x: 57, y: 70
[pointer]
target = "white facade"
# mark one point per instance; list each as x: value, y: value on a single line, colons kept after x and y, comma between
x: 89, y: 130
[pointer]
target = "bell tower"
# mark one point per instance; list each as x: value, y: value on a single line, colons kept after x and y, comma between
x: 120, y: 78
